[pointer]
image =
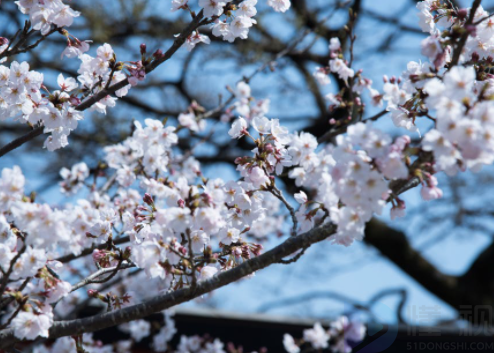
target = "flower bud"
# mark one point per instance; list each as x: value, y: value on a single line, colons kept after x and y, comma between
x: 4, y: 41
x: 75, y: 100
x: 245, y: 252
x: 143, y: 48
x: 158, y: 54
x: 98, y: 255
x: 183, y: 250
x: 92, y: 293
x: 239, y: 160
x: 472, y: 29
x: 462, y: 14
x: 475, y: 57
x: 237, y: 251
x: 148, y: 199
x: 127, y: 252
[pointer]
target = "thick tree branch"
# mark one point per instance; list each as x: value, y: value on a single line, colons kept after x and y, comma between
x: 394, y: 245
x: 165, y: 301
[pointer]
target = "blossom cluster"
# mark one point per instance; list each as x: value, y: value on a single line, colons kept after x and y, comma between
x: 458, y: 96
x: 86, y: 344
x: 180, y: 227
x: 179, y: 207
x: 239, y: 26
x: 463, y: 134
x: 167, y: 230
x: 438, y: 18
x: 349, y: 184
x: 339, y: 338
x: 403, y: 94
x: 44, y: 14
x: 21, y: 97
x: 236, y: 24
x: 245, y: 104
x: 355, y: 83
x: 342, y: 335
x: 97, y: 73
x: 21, y: 89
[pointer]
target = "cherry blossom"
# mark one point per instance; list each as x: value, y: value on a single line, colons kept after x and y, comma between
x: 280, y: 5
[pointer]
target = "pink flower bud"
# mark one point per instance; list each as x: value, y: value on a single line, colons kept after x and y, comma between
x: 431, y: 193
x: 269, y: 148
x: 74, y: 100
x: 93, y: 293
x: 148, y: 199
x: 142, y: 208
x: 143, y: 48
x: 472, y: 29
x: 475, y: 57
x: 158, y: 54
x: 239, y: 160
x: 181, y: 203
x: 462, y: 14
x: 98, y: 255
x: 127, y: 252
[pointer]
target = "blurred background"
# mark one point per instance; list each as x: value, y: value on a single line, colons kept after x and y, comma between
x: 420, y: 270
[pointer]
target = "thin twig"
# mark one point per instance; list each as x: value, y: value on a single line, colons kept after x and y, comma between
x: 463, y: 39
x: 5, y: 278
x: 88, y: 251
x: 92, y: 278
x: 279, y: 195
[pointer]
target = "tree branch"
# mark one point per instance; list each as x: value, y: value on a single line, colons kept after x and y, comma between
x: 463, y: 39
x: 394, y: 244
x: 177, y: 43
x: 165, y: 301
